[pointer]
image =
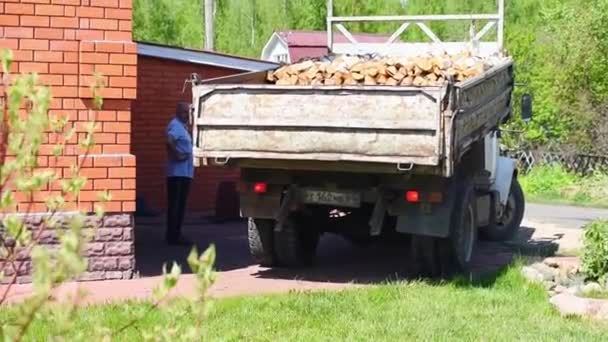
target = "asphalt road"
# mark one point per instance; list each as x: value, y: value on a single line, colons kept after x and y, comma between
x: 563, y: 216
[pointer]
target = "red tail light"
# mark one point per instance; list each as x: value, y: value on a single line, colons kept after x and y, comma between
x: 412, y: 196
x: 260, y: 188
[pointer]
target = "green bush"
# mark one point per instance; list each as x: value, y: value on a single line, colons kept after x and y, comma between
x: 595, y: 251
x: 548, y: 181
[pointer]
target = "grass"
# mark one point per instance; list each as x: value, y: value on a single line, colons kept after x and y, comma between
x: 503, y: 309
x: 597, y: 295
x: 554, y: 185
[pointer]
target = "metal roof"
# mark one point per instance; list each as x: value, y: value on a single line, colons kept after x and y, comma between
x: 203, y: 57
x: 319, y: 38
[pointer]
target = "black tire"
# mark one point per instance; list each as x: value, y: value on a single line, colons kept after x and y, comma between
x: 442, y: 257
x: 261, y: 241
x: 463, y: 229
x: 426, y: 256
x: 507, y: 226
x: 296, y: 244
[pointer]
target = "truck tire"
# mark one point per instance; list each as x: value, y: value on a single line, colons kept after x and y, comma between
x: 296, y: 243
x: 508, y: 225
x: 456, y: 252
x: 442, y: 257
x: 261, y: 246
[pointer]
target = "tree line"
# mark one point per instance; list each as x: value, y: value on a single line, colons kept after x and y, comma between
x: 560, y: 48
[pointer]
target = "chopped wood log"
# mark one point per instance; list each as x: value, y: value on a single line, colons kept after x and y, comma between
x: 381, y: 79
x: 419, y: 71
x: 357, y: 76
x: 392, y: 70
x: 369, y: 80
x: 391, y: 82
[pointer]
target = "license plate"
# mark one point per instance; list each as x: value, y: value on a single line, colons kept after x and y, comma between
x: 339, y: 199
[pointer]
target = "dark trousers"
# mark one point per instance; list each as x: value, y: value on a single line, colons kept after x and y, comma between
x: 177, y: 193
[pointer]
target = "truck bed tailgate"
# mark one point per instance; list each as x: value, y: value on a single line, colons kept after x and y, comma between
x: 366, y: 124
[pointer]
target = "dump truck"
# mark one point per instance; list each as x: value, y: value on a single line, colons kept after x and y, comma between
x: 368, y: 162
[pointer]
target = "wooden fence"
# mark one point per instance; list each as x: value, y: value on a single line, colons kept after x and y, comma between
x: 583, y: 164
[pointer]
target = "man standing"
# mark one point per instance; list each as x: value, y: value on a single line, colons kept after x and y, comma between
x: 180, y: 170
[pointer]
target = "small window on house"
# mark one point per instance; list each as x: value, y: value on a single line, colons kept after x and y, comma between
x: 282, y: 58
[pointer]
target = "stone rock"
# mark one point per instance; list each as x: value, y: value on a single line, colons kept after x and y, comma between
x: 48, y: 236
x: 93, y: 221
x: 24, y: 279
x: 110, y: 264
x: 571, y: 305
x: 119, y: 248
x: 532, y: 274
x: 127, y: 234
x: 549, y: 285
x: 113, y: 275
x: 34, y: 219
x: 125, y: 263
x: 591, y: 288
x: 117, y: 234
x: 577, y: 280
x: 94, y: 249
x: 117, y: 221
x: 570, y: 264
x: 108, y: 234
x: 92, y: 276
x: 96, y: 264
x: 547, y: 272
x: 563, y: 278
x: 574, y: 290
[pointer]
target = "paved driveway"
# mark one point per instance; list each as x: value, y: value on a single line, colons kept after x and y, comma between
x: 340, y: 264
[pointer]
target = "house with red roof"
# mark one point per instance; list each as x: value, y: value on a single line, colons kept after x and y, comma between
x: 291, y: 46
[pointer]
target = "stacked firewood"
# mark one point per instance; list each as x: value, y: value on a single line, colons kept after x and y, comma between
x: 355, y: 70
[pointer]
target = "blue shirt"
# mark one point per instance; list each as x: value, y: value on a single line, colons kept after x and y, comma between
x: 183, y: 142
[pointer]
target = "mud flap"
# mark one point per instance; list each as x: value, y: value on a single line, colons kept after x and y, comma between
x: 378, y: 215
x: 425, y: 219
x: 505, y: 170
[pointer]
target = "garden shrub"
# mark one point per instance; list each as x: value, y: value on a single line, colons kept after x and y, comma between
x: 595, y: 251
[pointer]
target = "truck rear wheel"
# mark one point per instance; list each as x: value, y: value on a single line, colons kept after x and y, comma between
x: 296, y: 243
x: 445, y: 256
x: 260, y: 236
x: 510, y: 221
x: 463, y: 231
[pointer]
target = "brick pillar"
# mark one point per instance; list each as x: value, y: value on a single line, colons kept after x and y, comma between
x: 66, y: 42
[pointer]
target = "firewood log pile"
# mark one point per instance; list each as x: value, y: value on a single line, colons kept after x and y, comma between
x: 356, y: 70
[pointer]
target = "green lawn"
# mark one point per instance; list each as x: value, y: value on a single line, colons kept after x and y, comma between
x: 505, y: 309
x: 554, y: 185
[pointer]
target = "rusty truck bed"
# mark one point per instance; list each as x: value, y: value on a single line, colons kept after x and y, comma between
x: 240, y: 121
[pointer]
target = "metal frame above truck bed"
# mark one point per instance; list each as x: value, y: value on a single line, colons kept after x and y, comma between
x: 394, y: 47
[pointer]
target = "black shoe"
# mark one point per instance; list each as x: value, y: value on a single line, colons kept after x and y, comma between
x: 180, y: 241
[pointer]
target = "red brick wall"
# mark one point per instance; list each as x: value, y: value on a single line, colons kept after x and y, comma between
x: 65, y: 42
x: 160, y: 83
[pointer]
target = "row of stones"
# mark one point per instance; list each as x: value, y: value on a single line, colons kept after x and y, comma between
x: 95, y: 264
x: 562, y: 274
x: 569, y: 292
x: 88, y: 276
x: 51, y: 236
x: 90, y: 221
